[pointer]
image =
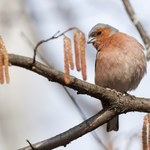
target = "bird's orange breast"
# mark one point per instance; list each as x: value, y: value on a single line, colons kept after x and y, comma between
x: 120, y: 64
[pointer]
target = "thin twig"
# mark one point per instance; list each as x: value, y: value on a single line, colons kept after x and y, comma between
x: 30, y: 145
x: 55, y: 36
x: 138, y: 25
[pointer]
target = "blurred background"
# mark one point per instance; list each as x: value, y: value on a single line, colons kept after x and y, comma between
x: 33, y: 108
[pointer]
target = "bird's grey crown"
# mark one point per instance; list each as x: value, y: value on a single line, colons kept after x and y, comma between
x: 102, y: 25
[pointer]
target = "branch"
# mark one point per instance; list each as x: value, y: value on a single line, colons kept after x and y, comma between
x: 66, y: 137
x: 55, y: 36
x: 138, y: 25
x: 118, y: 103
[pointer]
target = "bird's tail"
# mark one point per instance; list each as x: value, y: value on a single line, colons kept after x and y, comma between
x: 113, y: 124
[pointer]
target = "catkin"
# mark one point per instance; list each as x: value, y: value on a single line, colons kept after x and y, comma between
x: 66, y: 61
x: 69, y: 50
x: 82, y: 55
x: 1, y: 68
x: 77, y: 49
x: 4, y: 62
x: 148, y: 131
x: 1, y: 43
x: 144, y: 133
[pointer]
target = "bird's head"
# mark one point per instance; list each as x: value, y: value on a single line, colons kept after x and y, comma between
x: 100, y: 33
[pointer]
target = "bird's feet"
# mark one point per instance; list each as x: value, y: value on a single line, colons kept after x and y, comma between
x: 113, y: 90
x: 131, y: 96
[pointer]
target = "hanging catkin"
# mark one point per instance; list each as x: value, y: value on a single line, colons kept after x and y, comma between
x: 77, y: 49
x: 66, y: 60
x: 82, y: 55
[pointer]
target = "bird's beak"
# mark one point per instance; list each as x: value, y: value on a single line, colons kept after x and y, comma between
x: 91, y: 40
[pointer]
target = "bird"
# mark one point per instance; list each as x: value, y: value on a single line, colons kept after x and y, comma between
x: 120, y: 62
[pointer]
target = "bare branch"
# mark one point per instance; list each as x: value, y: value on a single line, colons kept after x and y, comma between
x: 30, y: 145
x: 55, y: 36
x: 80, y: 86
x: 74, y: 133
x: 138, y: 25
x: 118, y: 103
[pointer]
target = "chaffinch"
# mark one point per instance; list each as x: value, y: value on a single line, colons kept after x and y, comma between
x: 120, y: 62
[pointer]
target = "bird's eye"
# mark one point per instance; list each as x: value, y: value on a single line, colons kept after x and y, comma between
x: 99, y: 33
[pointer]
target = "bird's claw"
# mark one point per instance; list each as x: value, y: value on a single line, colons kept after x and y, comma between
x: 113, y: 90
x: 131, y: 96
